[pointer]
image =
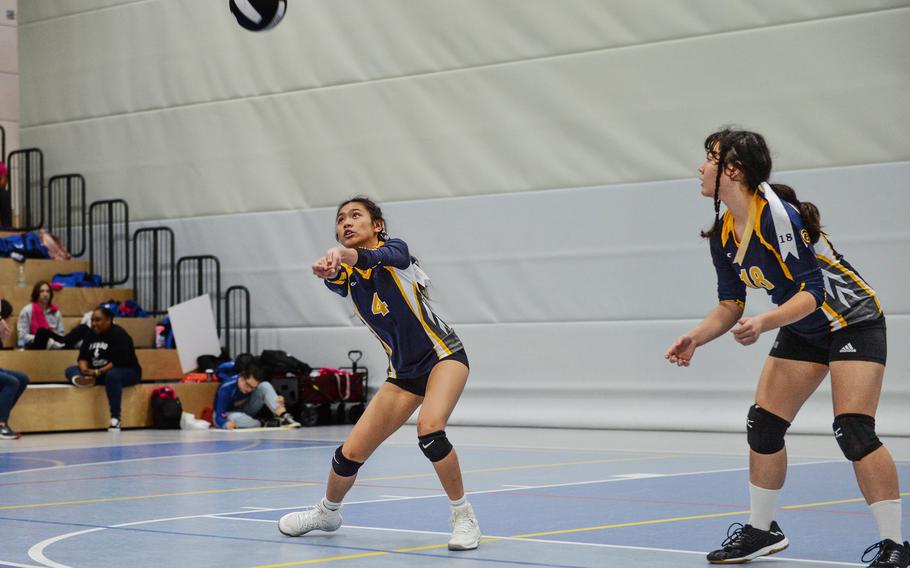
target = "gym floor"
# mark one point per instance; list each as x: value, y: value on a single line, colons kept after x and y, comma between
x: 543, y: 498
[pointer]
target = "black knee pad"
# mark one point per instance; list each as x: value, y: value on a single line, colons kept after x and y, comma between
x: 343, y: 466
x: 435, y: 446
x: 765, y: 430
x: 855, y: 434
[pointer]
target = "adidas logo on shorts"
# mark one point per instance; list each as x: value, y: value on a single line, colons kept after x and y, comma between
x: 848, y: 348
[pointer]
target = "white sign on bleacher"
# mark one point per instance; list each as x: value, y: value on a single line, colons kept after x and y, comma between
x: 194, y: 329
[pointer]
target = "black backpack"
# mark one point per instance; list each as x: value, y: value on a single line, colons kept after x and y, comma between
x: 276, y: 362
x: 166, y: 409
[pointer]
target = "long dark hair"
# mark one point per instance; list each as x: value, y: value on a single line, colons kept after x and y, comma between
x: 36, y: 291
x: 747, y: 152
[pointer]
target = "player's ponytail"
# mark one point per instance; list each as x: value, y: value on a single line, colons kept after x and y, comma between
x: 809, y: 213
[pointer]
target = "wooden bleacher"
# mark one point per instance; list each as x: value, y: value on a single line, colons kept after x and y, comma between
x: 52, y: 405
x: 71, y: 301
x: 57, y: 408
x: 37, y: 270
x: 48, y: 366
x: 142, y: 330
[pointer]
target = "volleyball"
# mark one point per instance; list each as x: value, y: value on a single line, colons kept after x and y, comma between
x: 258, y: 15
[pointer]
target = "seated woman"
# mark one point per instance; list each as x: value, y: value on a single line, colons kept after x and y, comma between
x: 12, y: 383
x: 107, y: 357
x: 238, y: 401
x: 6, y: 310
x: 40, y: 322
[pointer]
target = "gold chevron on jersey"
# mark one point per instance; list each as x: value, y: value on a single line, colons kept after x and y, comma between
x: 850, y: 299
x: 407, y: 282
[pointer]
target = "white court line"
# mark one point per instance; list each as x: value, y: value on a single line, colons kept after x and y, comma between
x: 14, y: 565
x: 36, y: 552
x: 56, y: 467
x: 646, y: 451
x: 563, y: 542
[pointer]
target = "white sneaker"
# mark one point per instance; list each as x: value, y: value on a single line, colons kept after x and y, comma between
x: 83, y: 381
x: 115, y: 425
x: 54, y: 344
x: 465, y: 530
x: 302, y: 522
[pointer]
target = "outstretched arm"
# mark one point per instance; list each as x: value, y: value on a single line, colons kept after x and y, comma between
x: 718, y: 322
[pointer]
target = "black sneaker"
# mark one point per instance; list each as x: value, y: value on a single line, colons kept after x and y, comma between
x: 7, y: 433
x: 745, y: 543
x: 889, y: 554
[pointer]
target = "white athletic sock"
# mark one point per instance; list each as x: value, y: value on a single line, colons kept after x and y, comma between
x: 888, y: 516
x: 459, y: 502
x: 330, y: 505
x: 764, y: 503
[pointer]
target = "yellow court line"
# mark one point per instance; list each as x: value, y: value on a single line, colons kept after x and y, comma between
x: 154, y: 496
x: 570, y: 531
x: 310, y: 483
x: 690, y: 518
x: 523, y: 467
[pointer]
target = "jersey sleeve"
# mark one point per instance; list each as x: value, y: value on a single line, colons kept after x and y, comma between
x: 804, y: 270
x: 339, y: 284
x: 729, y: 286
x: 393, y: 252
x: 222, y: 404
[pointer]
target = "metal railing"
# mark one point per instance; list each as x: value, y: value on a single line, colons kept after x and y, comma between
x: 154, y: 269
x: 198, y: 275
x: 26, y: 185
x: 66, y: 211
x: 2, y: 144
x: 109, y: 241
x: 236, y: 333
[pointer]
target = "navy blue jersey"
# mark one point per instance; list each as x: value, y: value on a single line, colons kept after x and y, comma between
x: 841, y: 295
x: 385, y: 287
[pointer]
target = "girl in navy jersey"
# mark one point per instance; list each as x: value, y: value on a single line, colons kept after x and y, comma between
x: 828, y: 320
x: 428, y: 367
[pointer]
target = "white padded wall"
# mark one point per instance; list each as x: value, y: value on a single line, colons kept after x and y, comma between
x: 567, y: 299
x: 176, y: 106
x: 539, y: 156
x: 9, y: 74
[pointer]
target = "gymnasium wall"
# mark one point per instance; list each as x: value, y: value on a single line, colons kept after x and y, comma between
x: 9, y: 75
x: 538, y: 156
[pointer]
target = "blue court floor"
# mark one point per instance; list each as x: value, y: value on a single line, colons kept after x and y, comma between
x: 557, y: 498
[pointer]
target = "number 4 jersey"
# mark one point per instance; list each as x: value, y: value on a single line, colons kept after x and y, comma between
x: 386, y: 288
x: 841, y: 294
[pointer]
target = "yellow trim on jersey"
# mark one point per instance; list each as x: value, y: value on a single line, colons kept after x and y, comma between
x: 392, y: 372
x: 834, y: 316
x: 726, y: 229
x: 740, y: 303
x: 423, y: 322
x: 418, y: 313
x: 769, y: 246
x: 345, y: 270
x: 853, y: 276
x: 747, y: 235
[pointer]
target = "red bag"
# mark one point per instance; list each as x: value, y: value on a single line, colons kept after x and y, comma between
x: 333, y: 385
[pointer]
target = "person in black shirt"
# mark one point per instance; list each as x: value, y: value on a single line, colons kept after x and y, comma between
x: 107, y: 357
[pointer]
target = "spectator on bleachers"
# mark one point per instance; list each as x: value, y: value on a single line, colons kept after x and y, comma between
x: 50, y: 337
x: 6, y: 199
x: 6, y: 310
x: 238, y: 401
x: 12, y: 383
x: 40, y: 322
x: 107, y: 357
